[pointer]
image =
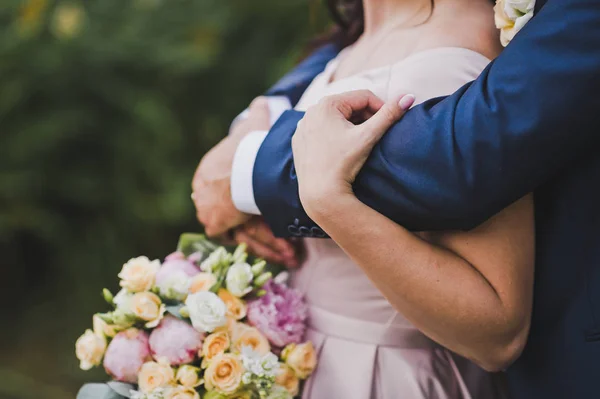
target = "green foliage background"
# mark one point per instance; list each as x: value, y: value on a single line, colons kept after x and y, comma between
x: 106, y: 107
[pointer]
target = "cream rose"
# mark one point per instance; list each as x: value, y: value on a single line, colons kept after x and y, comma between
x: 148, y: 307
x: 188, y: 376
x: 207, y: 311
x: 301, y: 358
x: 511, y: 16
x: 154, y: 375
x: 286, y: 377
x: 138, y: 274
x: 244, y: 335
x: 181, y: 392
x: 202, y: 282
x: 215, y: 344
x: 236, y: 308
x: 239, y: 279
x: 224, y: 374
x: 90, y: 349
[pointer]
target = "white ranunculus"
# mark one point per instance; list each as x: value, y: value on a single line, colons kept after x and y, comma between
x: 239, y: 279
x: 218, y: 256
x: 175, y: 286
x: 207, y: 311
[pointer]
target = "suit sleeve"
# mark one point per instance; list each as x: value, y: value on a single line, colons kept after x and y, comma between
x: 453, y: 162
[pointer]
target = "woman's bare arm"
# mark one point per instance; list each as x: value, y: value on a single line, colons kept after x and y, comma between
x: 469, y: 291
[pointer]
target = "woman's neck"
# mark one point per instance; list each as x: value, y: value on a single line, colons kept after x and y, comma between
x: 381, y: 14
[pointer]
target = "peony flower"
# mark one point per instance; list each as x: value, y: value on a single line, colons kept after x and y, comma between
x: 126, y: 354
x: 214, y: 345
x: 215, y: 259
x: 301, y: 358
x: 280, y: 314
x: 244, y: 335
x: 175, y: 341
x: 89, y: 349
x: 258, y: 364
x: 239, y: 279
x: 286, y: 377
x: 511, y: 16
x: 155, y: 375
x: 202, y: 282
x: 177, y: 255
x: 148, y: 307
x: 236, y: 308
x: 207, y: 311
x: 188, y: 376
x: 180, y: 392
x: 138, y: 274
x: 224, y: 374
x: 173, y: 278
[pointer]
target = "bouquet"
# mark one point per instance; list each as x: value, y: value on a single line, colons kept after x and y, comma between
x: 206, y: 323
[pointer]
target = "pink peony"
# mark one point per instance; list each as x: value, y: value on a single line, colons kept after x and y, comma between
x: 125, y: 355
x: 177, y: 255
x: 176, y: 341
x: 174, y: 266
x: 280, y: 314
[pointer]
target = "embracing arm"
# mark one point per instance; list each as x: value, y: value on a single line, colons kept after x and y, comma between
x: 469, y: 291
x: 453, y: 162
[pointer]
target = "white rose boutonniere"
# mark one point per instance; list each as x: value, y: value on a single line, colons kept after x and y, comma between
x: 511, y: 16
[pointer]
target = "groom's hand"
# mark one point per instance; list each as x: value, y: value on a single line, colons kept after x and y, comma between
x: 211, y: 189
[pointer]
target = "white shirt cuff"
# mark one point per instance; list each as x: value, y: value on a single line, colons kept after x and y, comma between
x: 277, y: 106
x: 242, y: 190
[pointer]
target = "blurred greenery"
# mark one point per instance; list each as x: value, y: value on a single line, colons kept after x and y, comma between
x: 106, y: 107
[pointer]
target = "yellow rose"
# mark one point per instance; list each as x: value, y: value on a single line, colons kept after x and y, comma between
x: 180, y: 392
x: 138, y: 274
x: 236, y: 308
x: 148, y: 307
x: 224, y: 374
x: 103, y: 328
x: 214, y: 345
x: 286, y: 377
x: 244, y: 335
x: 154, y: 375
x: 301, y: 358
x: 188, y: 376
x: 202, y: 282
x: 90, y: 349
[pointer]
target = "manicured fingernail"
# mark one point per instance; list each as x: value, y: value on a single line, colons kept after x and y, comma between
x: 406, y: 101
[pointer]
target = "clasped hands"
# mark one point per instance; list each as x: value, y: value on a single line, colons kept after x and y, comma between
x: 330, y: 146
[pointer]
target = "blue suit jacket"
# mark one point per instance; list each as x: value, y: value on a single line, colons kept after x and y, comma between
x: 531, y: 122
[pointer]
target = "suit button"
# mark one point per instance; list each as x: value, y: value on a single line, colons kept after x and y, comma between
x: 304, y: 231
x: 317, y: 232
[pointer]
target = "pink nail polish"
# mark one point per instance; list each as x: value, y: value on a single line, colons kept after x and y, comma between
x: 406, y: 101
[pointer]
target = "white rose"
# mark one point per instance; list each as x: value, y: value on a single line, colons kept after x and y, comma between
x: 511, y: 16
x: 238, y: 280
x: 218, y: 256
x: 207, y: 311
x: 175, y: 286
x: 138, y: 274
x: 90, y: 349
x: 518, y: 8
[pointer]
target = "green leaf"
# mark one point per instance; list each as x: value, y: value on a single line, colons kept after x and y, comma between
x: 194, y: 242
x: 100, y: 391
x: 121, y: 388
x: 174, y: 310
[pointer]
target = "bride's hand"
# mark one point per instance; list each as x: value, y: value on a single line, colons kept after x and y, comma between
x: 329, y: 150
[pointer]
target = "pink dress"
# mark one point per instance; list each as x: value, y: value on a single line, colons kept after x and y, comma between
x: 367, y: 350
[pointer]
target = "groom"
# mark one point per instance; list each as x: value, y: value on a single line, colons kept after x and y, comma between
x: 530, y: 122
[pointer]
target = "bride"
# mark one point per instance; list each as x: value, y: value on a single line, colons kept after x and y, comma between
x: 390, y: 308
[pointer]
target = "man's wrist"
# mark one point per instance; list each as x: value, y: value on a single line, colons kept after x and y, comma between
x: 242, y: 190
